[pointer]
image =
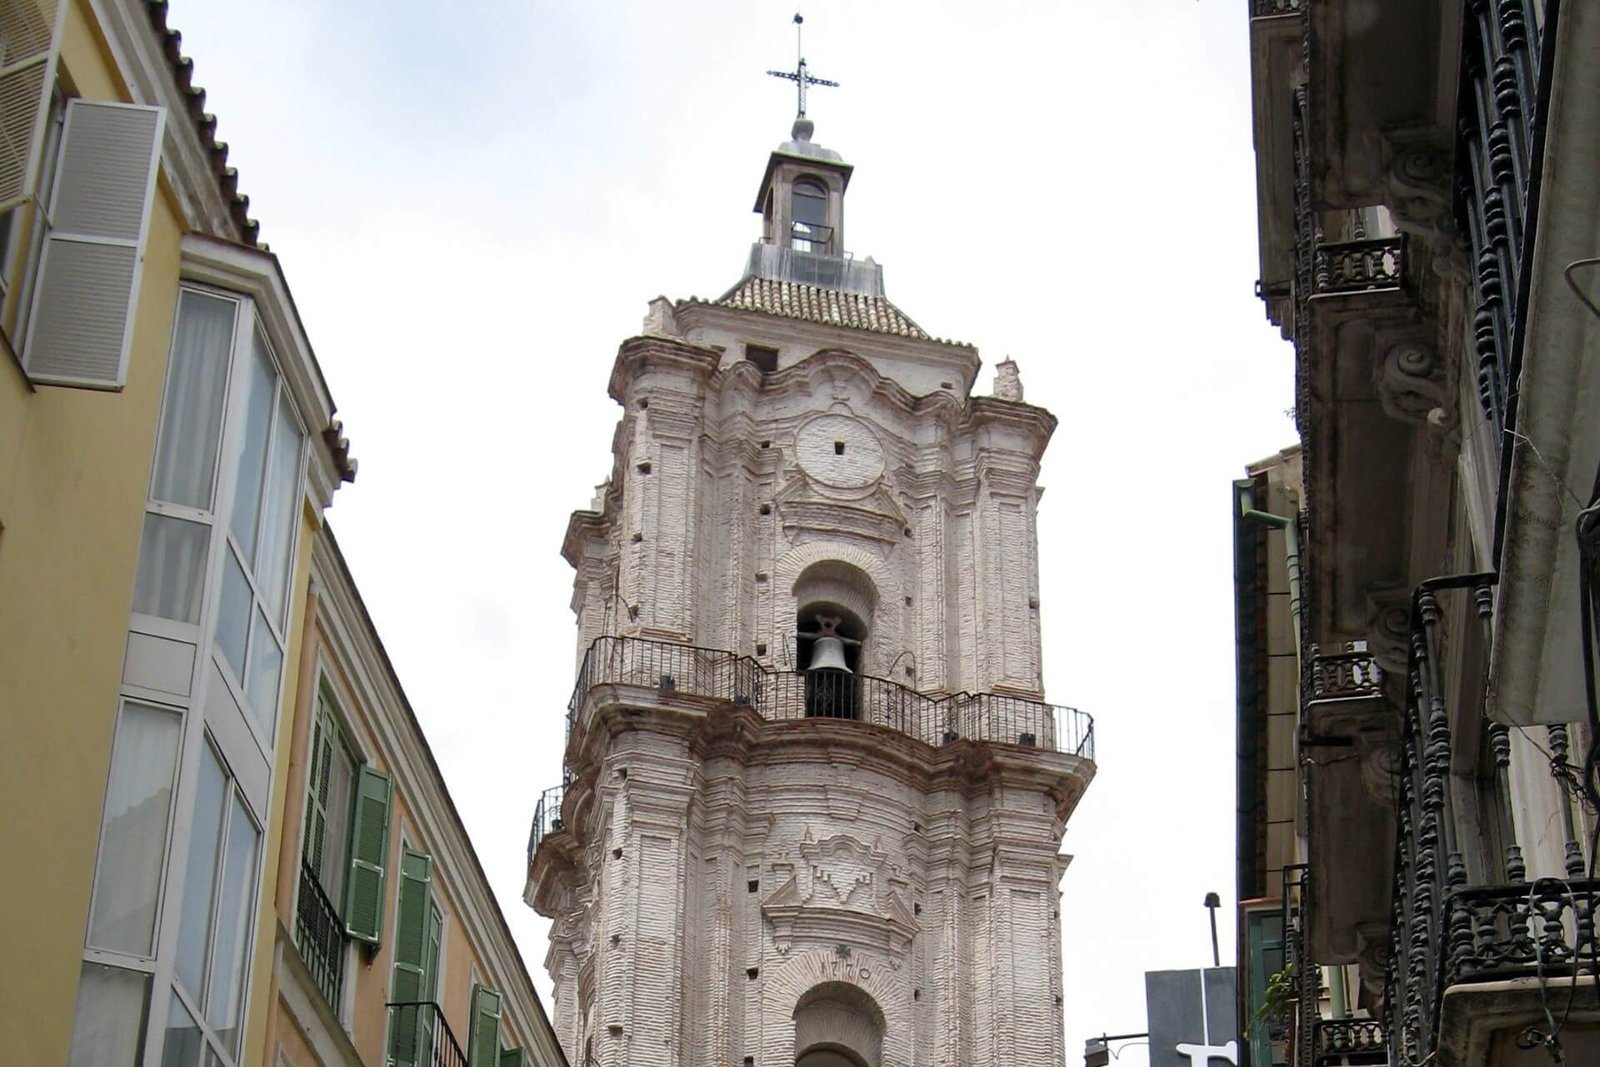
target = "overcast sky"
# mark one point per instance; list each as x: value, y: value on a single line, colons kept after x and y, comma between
x: 474, y: 202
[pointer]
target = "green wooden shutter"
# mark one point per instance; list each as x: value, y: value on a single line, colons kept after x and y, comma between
x: 513, y: 1057
x: 369, y: 855
x: 483, y: 1045
x: 410, y: 954
x: 316, y: 828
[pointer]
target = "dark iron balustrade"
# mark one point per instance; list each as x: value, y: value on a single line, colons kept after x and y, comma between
x: 1350, y: 1043
x: 1446, y: 930
x: 779, y: 695
x: 1307, y: 975
x: 1343, y: 675
x: 319, y: 933
x: 1357, y: 266
x: 420, y: 1037
x: 546, y: 817
x: 1267, y: 8
x: 1496, y: 185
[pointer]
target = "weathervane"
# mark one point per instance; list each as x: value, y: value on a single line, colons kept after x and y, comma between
x: 800, y: 75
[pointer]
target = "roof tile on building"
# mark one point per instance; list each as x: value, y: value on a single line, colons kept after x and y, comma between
x: 813, y: 303
x: 205, y: 123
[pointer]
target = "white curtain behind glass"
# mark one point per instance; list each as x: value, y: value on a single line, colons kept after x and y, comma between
x: 172, y: 562
x: 138, y: 798
x: 110, y: 1017
x: 191, y: 415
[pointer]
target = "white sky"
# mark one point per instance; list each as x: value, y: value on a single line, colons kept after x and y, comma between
x: 474, y: 201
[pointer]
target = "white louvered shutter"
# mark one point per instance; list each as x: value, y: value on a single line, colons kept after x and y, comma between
x: 89, y: 274
x: 29, y: 30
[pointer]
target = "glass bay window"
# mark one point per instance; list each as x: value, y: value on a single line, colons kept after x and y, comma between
x: 179, y: 873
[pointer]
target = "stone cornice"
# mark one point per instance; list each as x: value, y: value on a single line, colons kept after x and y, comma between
x: 962, y: 359
x: 639, y: 354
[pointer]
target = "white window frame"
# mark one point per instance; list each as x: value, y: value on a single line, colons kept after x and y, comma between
x: 247, y: 320
x: 196, y: 736
x: 197, y: 739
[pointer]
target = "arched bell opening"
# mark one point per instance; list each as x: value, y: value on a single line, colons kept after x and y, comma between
x: 828, y: 641
x: 834, y: 602
x: 838, y: 1025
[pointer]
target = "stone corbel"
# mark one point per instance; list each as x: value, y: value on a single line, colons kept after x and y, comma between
x: 1389, y: 632
x: 1417, y: 186
x: 1380, y: 769
x: 1372, y: 958
x: 1413, y: 385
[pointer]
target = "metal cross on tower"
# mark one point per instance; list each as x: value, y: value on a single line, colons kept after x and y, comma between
x: 800, y: 75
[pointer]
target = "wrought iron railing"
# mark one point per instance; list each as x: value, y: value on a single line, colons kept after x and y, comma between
x: 320, y: 935
x: 1496, y: 184
x: 546, y: 817
x: 1264, y: 8
x: 1342, y: 675
x: 778, y: 695
x: 1357, y: 266
x: 1350, y: 1043
x: 420, y: 1037
x: 1307, y: 975
x: 1445, y: 929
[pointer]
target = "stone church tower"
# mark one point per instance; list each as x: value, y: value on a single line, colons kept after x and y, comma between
x: 812, y: 801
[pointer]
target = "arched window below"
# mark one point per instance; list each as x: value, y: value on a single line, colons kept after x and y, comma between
x: 838, y: 1025
x: 809, y: 230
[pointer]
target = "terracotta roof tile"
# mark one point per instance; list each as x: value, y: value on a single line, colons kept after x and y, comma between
x: 834, y: 307
x: 205, y: 123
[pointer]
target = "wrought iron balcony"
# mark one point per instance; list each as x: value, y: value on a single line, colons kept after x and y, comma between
x: 688, y: 671
x: 1350, y: 1043
x: 546, y: 817
x: 1267, y: 8
x: 1501, y: 134
x: 319, y: 933
x: 1357, y: 266
x: 420, y: 1037
x: 1350, y: 673
x: 1448, y: 932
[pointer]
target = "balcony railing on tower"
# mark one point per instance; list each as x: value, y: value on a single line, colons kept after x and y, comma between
x: 1448, y: 928
x: 775, y: 695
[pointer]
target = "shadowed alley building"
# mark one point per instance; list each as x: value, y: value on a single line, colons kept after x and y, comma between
x: 1417, y: 828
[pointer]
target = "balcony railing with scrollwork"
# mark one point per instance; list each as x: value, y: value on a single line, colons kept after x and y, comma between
x: 687, y: 670
x: 1350, y: 1043
x: 1445, y: 930
x: 1343, y: 675
x: 1357, y: 266
x: 319, y: 933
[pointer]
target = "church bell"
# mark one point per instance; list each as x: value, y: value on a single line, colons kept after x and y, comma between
x: 827, y: 654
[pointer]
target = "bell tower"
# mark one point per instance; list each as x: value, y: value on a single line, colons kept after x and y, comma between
x: 812, y: 799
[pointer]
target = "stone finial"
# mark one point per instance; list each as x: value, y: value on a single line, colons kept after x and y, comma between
x: 1008, y: 381
x: 660, y: 321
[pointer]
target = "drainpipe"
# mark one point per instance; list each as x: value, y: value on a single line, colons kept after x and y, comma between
x: 1291, y: 539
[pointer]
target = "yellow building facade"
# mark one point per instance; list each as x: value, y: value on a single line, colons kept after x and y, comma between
x: 167, y: 450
